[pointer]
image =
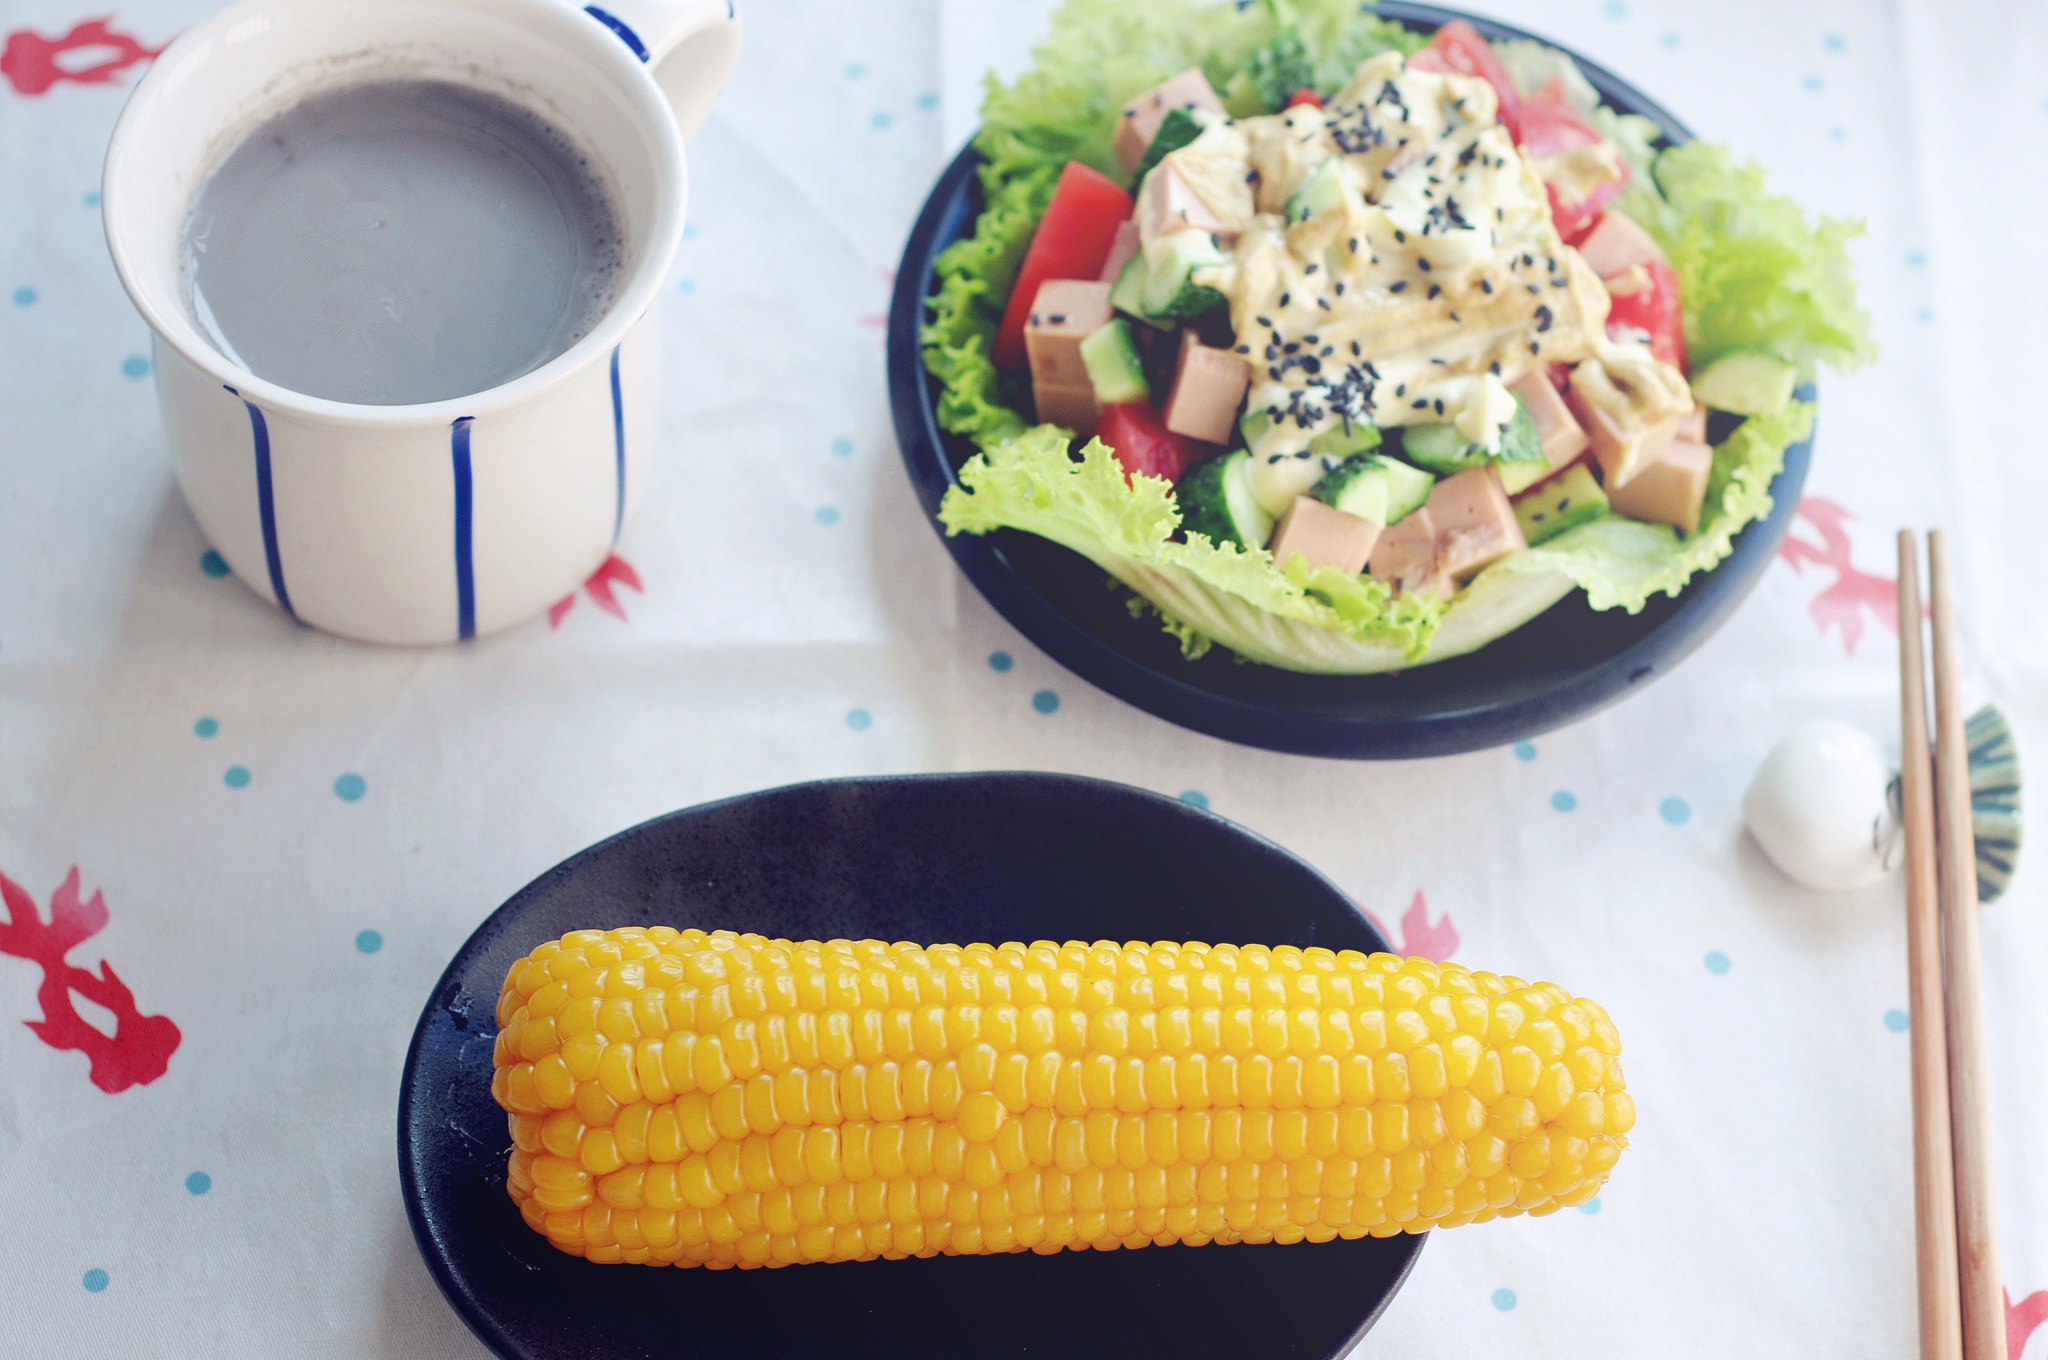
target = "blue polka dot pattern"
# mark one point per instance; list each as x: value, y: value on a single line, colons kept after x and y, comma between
x: 91, y: 200
x: 1916, y: 259
x: 205, y: 727
x: 1839, y: 134
x: 860, y: 720
x: 95, y: 1281
x: 686, y: 286
x: 928, y: 100
x: 1564, y: 800
x: 1924, y: 315
x: 881, y: 120
x: 24, y: 296
x: 1590, y: 1207
x: 237, y: 777
x: 1718, y: 963
x: 1675, y: 811
x: 212, y: 563
x: 1000, y: 661
x: 1195, y: 798
x: 1504, y: 1299
x: 135, y: 366
x: 1045, y: 701
x: 350, y: 788
x: 1613, y: 9
x: 827, y: 515
x: 689, y: 231
x: 369, y: 941
x: 1897, y: 1021
x: 1812, y: 83
x: 198, y: 1183
x: 1835, y: 42
x: 1672, y: 40
x: 854, y: 70
x: 842, y: 448
x: 1525, y: 750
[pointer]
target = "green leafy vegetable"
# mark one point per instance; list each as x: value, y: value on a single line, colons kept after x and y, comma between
x: 1753, y: 272
x: 1332, y: 619
x: 1621, y: 562
x: 1278, y: 69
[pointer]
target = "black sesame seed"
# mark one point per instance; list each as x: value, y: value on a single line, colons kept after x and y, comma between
x: 1439, y: 405
x: 1435, y: 292
x: 1323, y: 303
x: 1244, y: 349
x: 1354, y: 347
x: 1283, y: 299
x: 1419, y: 404
x: 1058, y: 318
x: 1397, y: 285
x: 1310, y: 270
x: 1422, y: 264
x: 1535, y: 348
x: 1455, y: 318
x: 1494, y: 368
x: 1486, y: 285
x: 1400, y: 236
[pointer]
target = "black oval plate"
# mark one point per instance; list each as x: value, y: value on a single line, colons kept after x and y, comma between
x: 1570, y: 662
x: 932, y: 858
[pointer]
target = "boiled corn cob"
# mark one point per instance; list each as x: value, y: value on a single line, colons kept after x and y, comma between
x: 685, y: 1098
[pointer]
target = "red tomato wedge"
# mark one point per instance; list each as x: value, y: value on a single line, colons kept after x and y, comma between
x: 1458, y: 49
x: 1071, y: 242
x: 1142, y: 443
x: 1551, y: 127
x: 1304, y: 95
x: 1655, y: 312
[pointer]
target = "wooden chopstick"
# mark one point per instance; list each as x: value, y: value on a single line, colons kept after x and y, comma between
x: 1934, y: 1184
x: 1983, y: 1303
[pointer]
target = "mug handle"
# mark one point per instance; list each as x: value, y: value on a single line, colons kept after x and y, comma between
x: 690, y: 47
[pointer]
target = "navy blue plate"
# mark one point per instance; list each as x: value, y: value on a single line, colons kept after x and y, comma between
x: 933, y: 858
x: 1564, y: 665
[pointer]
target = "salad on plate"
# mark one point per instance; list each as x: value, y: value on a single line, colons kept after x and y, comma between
x: 1351, y: 348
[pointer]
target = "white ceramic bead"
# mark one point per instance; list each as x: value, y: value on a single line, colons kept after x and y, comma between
x: 1819, y: 808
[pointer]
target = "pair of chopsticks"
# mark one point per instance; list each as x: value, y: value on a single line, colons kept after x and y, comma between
x: 1962, y: 1306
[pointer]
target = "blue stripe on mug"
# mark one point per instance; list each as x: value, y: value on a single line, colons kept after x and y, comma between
x: 618, y: 449
x: 465, y: 569
x: 626, y: 34
x: 266, y: 503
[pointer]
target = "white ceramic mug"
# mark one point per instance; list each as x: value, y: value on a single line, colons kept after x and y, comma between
x: 445, y: 520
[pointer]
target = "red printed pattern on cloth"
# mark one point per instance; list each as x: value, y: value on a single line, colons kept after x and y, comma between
x: 139, y: 1050
x: 30, y: 61
x: 616, y: 570
x: 1841, y: 606
x: 1418, y: 938
x: 2021, y: 1320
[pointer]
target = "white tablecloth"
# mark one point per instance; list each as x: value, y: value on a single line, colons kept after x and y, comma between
x: 291, y: 834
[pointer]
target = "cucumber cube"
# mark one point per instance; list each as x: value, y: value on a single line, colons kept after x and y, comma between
x: 1747, y: 382
x: 1115, y: 369
x: 1564, y: 502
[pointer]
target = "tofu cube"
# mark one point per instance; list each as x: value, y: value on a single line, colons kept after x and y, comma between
x: 1405, y: 555
x: 1562, y: 437
x: 1168, y: 203
x: 1618, y: 245
x: 1694, y: 426
x: 1208, y: 387
x: 1672, y: 490
x: 1620, y: 453
x: 1475, y: 523
x: 1121, y: 248
x: 1073, y: 407
x: 1065, y: 312
x: 1325, y: 537
x: 1143, y: 115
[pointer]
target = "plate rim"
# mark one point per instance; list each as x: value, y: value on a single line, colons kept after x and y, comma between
x: 479, y: 1321
x: 1704, y: 605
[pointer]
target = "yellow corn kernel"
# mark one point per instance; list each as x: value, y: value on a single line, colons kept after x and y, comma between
x: 711, y: 1099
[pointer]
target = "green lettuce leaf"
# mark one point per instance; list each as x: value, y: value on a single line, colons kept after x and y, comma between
x: 1753, y: 272
x: 974, y: 277
x: 1621, y: 563
x: 1323, y: 619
